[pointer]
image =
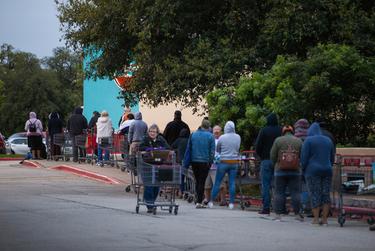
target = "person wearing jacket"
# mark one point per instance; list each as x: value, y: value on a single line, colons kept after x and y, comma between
x: 153, y: 140
x: 104, y: 130
x: 228, y: 148
x: 137, y: 130
x: 263, y: 144
x: 180, y: 145
x: 55, y: 125
x: 200, y: 154
x: 77, y: 123
x: 173, y: 128
x: 94, y: 119
x: 317, y: 158
x: 300, y: 131
x: 287, y: 176
x: 34, y: 129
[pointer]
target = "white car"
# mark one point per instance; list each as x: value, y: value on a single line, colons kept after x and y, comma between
x: 17, y: 145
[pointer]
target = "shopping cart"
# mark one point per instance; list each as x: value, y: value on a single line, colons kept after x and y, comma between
x: 80, y: 141
x: 91, y: 146
x: 158, y: 169
x: 62, y: 140
x: 120, y: 151
x: 351, y: 189
x: 106, y: 144
x: 248, y: 174
x: 189, y: 185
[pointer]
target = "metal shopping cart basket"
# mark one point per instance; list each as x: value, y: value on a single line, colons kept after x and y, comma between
x: 158, y: 169
x: 352, y: 181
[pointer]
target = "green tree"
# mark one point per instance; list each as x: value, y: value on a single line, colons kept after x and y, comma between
x: 27, y: 86
x: 185, y: 49
x: 335, y: 84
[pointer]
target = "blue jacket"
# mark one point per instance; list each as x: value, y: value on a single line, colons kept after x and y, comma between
x: 318, y: 153
x: 201, y: 147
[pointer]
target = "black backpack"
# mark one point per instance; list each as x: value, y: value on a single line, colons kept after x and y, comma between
x: 32, y: 126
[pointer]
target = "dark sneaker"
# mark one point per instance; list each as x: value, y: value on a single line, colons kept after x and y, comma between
x: 372, y: 227
x: 205, y: 202
x: 264, y: 211
x: 300, y: 218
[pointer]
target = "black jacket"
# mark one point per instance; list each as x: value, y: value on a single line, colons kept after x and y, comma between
x: 93, y: 121
x: 173, y: 129
x: 180, y: 144
x: 77, y: 122
x: 55, y: 124
x: 267, y: 136
x: 147, y: 143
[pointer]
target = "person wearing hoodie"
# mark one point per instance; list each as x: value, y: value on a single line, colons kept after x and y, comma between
x: 228, y: 148
x: 173, y: 128
x: 77, y: 123
x: 34, y: 129
x: 200, y: 154
x: 285, y: 154
x: 300, y: 131
x: 137, y: 130
x: 263, y: 144
x: 55, y: 125
x: 317, y: 158
x: 179, y: 145
x: 104, y: 130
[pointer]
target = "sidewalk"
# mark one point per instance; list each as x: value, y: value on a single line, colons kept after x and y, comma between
x: 85, y: 170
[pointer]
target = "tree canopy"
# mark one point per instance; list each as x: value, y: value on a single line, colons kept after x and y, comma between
x: 185, y: 49
x: 334, y: 84
x: 30, y: 84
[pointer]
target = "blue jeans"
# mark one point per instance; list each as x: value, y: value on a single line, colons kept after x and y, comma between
x: 100, y: 154
x: 222, y: 169
x: 266, y: 173
x: 150, y: 194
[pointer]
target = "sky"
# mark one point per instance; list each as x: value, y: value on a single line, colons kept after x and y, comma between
x: 30, y: 26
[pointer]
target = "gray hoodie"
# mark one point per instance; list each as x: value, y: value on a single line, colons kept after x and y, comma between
x: 137, y: 129
x: 229, y: 143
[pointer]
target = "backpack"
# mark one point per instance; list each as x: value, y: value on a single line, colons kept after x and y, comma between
x: 32, y: 126
x: 288, y: 159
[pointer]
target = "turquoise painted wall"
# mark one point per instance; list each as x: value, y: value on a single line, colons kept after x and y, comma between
x: 101, y: 94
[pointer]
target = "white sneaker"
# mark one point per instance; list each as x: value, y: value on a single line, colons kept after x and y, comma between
x: 210, y: 204
x: 231, y: 206
x: 277, y: 217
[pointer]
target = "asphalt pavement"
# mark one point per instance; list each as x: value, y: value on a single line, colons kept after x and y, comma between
x: 47, y: 209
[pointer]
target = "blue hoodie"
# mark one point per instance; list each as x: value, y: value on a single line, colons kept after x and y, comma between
x: 318, y: 153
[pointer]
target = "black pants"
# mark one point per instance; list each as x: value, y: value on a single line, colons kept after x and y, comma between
x: 82, y: 152
x: 200, y: 171
x: 293, y: 183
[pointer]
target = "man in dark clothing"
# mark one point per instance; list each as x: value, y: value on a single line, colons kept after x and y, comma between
x: 76, y: 124
x: 173, y: 128
x: 263, y: 145
x: 94, y: 119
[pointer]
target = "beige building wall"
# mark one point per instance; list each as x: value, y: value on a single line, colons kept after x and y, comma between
x: 163, y: 114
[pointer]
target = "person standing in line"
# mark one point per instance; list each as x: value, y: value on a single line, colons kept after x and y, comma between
x: 173, y: 128
x: 77, y: 123
x: 153, y: 140
x: 94, y: 119
x: 137, y: 130
x: 212, y: 175
x: 200, y: 154
x: 300, y: 131
x: 55, y: 125
x: 228, y: 148
x: 285, y: 154
x: 317, y: 158
x: 264, y: 142
x: 180, y: 145
x: 34, y: 129
x: 104, y: 133
x: 124, y: 116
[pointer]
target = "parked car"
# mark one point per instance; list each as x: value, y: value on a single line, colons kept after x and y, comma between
x: 17, y: 145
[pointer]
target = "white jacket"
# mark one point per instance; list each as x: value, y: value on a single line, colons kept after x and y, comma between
x: 103, y: 128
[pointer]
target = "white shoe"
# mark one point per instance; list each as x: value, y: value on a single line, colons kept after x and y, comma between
x: 277, y: 217
x: 231, y: 206
x: 210, y: 204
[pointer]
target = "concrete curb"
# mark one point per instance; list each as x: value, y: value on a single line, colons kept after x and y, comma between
x: 31, y: 164
x: 87, y: 174
x: 11, y: 159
